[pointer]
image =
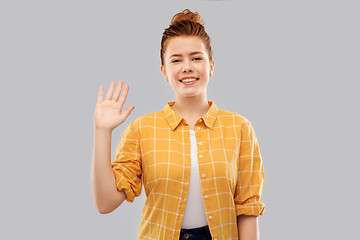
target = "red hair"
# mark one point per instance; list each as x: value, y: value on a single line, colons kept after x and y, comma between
x: 185, y: 23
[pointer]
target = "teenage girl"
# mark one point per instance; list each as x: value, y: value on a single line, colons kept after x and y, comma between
x: 200, y: 166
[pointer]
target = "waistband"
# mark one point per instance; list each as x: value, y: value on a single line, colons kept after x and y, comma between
x: 201, y: 231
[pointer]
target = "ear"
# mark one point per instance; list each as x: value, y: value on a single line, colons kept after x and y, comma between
x: 163, y: 72
x: 212, y: 64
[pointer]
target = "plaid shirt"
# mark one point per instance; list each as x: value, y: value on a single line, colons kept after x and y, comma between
x: 155, y: 151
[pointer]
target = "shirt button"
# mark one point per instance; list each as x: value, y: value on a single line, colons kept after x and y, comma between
x: 200, y: 143
x: 206, y: 196
x: 203, y: 175
x: 198, y: 128
x: 200, y: 156
x: 210, y: 217
x: 215, y: 238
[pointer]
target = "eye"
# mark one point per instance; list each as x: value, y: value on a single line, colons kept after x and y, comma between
x: 174, y: 60
x: 198, y: 58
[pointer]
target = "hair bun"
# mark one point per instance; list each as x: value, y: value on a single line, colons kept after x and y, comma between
x: 187, y: 15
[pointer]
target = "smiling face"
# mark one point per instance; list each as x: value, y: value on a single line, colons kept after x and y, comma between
x: 186, y: 57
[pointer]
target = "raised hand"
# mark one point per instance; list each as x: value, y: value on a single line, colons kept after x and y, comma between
x: 108, y: 113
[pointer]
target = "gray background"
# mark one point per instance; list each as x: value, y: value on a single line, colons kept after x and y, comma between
x: 290, y: 67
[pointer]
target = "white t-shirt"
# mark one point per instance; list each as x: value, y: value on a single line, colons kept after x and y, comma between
x: 194, y: 215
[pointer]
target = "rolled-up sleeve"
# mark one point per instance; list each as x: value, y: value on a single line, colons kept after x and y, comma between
x: 251, y: 176
x: 127, y: 165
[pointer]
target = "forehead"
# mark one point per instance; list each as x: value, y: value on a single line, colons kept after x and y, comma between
x: 184, y: 45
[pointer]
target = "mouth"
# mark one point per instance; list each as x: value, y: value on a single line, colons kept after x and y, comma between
x: 189, y: 80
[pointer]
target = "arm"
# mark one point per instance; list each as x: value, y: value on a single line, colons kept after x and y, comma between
x: 127, y: 166
x: 105, y: 193
x: 107, y: 116
x: 250, y: 184
x: 248, y: 227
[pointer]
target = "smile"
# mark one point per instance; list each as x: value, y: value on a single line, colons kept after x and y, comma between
x: 189, y: 81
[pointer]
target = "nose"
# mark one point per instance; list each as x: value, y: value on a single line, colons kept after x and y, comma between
x: 187, y: 67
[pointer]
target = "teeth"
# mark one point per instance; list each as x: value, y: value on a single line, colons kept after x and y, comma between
x: 188, y: 80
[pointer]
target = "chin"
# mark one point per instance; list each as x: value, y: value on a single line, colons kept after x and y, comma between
x: 190, y: 94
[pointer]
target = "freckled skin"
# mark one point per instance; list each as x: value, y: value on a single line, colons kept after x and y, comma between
x: 197, y: 65
x: 191, y: 100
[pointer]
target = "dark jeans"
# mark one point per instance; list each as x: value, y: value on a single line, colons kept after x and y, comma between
x: 202, y: 233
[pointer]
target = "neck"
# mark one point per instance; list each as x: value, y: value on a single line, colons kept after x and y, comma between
x: 191, y: 107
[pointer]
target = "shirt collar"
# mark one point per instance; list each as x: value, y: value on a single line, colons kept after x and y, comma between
x: 173, y: 119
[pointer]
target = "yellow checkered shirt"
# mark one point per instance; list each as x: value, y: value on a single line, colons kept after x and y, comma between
x: 155, y: 151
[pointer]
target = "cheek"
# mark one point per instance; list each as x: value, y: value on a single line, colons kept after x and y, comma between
x: 205, y: 70
x: 173, y: 77
x: 172, y: 72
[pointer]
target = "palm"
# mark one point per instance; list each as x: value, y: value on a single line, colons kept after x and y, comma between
x: 108, y: 113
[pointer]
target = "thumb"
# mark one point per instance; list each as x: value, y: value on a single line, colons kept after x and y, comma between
x: 129, y: 110
x: 125, y: 114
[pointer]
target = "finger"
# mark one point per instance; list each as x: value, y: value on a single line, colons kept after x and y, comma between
x: 110, y: 91
x: 101, y: 93
x: 129, y: 110
x: 118, y: 90
x: 123, y: 96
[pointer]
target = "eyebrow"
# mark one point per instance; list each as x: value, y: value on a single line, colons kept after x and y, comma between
x: 192, y: 53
